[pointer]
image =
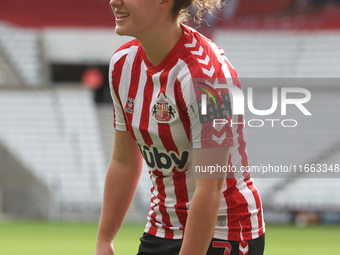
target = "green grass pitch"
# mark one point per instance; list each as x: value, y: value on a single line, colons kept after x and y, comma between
x: 43, y: 238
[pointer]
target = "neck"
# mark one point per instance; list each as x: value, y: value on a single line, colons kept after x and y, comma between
x: 158, y: 44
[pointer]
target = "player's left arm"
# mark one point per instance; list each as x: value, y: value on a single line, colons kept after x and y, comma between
x: 205, y: 203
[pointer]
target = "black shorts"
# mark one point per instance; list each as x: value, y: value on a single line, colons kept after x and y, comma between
x: 152, y: 245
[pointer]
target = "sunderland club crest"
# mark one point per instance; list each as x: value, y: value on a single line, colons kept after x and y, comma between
x: 130, y: 105
x: 163, y: 110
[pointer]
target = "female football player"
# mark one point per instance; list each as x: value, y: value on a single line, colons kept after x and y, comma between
x: 169, y: 112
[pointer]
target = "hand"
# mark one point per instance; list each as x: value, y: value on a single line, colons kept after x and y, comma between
x: 104, y: 248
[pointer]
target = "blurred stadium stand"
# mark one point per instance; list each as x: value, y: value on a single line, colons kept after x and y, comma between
x: 40, y: 13
x: 21, y: 48
x: 288, y: 54
x: 54, y: 133
x: 56, y: 140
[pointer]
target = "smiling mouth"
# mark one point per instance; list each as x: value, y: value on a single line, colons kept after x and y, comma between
x: 121, y: 16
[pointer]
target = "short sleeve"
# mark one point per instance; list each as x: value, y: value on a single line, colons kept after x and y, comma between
x: 209, y: 110
x: 119, y: 119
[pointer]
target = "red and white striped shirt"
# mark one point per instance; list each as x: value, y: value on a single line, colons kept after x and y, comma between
x: 154, y: 104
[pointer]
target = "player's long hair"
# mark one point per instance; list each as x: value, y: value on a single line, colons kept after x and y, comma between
x: 181, y: 8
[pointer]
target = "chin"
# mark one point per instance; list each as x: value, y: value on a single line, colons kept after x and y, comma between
x: 119, y: 31
x: 122, y: 30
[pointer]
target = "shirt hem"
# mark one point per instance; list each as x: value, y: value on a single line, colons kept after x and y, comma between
x: 238, y: 237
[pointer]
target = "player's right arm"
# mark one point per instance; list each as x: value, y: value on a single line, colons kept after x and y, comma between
x: 120, y: 186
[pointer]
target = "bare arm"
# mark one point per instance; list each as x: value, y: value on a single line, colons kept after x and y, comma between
x: 120, y: 186
x: 205, y: 203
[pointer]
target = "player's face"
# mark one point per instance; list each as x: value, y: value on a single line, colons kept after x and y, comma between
x: 135, y: 17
